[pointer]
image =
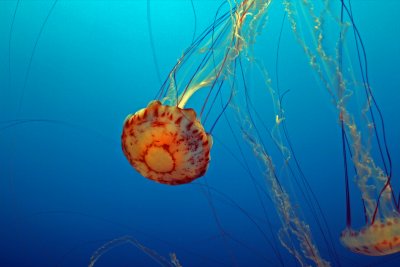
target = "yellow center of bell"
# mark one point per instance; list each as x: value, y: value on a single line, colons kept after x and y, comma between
x: 159, y: 159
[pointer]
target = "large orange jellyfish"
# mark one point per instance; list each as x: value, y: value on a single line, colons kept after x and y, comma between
x: 166, y: 144
x: 364, y: 141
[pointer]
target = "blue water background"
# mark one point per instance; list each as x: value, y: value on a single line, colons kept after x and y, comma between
x: 65, y: 185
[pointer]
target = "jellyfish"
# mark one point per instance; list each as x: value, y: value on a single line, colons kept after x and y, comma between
x: 343, y: 70
x: 378, y: 239
x: 167, y: 142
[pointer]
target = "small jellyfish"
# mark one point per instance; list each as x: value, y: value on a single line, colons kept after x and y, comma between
x: 379, y: 239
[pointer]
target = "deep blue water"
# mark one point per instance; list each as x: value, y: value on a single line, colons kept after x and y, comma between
x: 69, y: 75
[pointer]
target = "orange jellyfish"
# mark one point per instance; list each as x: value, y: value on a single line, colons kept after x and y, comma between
x: 381, y: 234
x: 364, y: 141
x: 379, y: 239
x: 166, y: 144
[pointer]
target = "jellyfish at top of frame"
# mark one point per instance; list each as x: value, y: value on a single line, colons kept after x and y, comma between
x: 167, y: 142
x: 363, y: 136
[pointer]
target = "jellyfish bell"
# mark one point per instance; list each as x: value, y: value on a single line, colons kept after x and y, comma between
x: 166, y: 144
x: 379, y: 239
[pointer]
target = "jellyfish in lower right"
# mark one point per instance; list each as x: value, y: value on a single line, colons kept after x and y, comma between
x: 378, y: 239
x: 343, y: 71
